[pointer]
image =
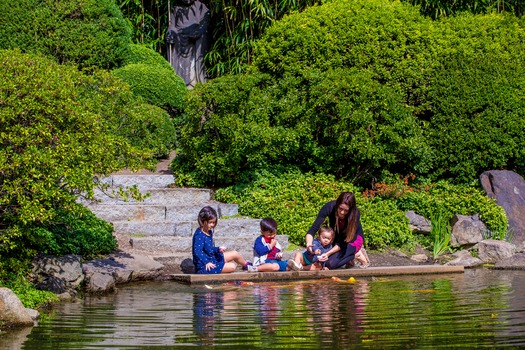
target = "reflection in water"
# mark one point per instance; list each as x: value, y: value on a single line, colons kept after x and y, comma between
x: 205, y: 307
x: 481, y: 308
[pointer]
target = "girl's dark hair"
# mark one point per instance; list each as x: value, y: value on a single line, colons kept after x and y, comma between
x: 269, y: 224
x: 206, y: 214
x: 348, y: 198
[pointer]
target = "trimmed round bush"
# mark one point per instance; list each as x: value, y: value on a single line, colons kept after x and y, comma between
x: 145, y: 126
x: 477, y: 114
x: 145, y: 55
x: 158, y: 85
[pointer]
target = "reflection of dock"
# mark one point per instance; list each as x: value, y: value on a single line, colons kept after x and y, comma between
x: 308, y: 275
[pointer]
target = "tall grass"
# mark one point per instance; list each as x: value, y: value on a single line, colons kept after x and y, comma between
x: 441, y: 234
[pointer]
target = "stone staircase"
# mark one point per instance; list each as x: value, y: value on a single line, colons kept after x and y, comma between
x: 162, y: 225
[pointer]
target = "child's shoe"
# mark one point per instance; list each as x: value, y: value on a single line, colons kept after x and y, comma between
x: 252, y: 268
x: 292, y: 265
x: 246, y: 266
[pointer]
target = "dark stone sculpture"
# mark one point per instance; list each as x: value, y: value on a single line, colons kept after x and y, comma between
x: 187, y: 40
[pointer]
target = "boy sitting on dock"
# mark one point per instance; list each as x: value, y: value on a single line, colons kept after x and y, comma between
x: 267, y: 254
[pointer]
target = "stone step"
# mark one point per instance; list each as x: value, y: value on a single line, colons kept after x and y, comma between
x: 141, y: 181
x: 143, y: 212
x: 182, y: 245
x: 160, y: 196
x: 234, y: 227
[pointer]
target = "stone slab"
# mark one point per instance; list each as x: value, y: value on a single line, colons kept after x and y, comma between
x: 162, y: 196
x: 237, y: 227
x: 144, y: 212
x: 308, y: 275
x: 141, y: 181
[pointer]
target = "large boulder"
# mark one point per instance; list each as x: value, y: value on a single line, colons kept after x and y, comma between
x: 12, y: 311
x: 492, y: 251
x: 58, y: 274
x: 515, y: 262
x: 418, y: 223
x: 464, y: 258
x: 466, y: 230
x: 508, y: 188
x: 103, y: 275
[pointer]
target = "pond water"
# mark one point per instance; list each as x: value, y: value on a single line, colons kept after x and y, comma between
x: 481, y: 308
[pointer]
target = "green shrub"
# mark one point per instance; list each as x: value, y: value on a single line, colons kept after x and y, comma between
x: 478, y: 107
x: 327, y: 101
x: 390, y: 40
x: 25, y: 291
x: 91, y: 33
x: 77, y: 232
x: 449, y: 199
x: 52, y: 142
x: 294, y: 200
x: 158, y: 85
x: 336, y: 121
x: 385, y: 225
x: 146, y: 127
x: 145, y: 55
x: 152, y: 128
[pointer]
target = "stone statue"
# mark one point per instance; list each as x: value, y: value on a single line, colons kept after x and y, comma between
x: 187, y: 39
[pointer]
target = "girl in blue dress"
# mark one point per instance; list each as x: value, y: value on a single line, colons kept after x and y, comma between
x: 207, y: 258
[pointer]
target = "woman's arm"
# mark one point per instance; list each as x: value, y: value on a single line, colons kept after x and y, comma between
x: 324, y: 257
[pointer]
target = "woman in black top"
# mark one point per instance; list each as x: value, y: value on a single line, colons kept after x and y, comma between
x: 344, y: 219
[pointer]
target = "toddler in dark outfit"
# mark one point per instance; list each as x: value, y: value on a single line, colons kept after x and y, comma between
x: 320, y: 245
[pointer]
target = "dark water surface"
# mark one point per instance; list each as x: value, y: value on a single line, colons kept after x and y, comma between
x: 478, y: 309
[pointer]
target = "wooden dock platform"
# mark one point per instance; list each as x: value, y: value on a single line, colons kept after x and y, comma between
x: 308, y: 275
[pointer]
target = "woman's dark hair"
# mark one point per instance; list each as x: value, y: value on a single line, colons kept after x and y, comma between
x: 348, y: 198
x: 206, y: 214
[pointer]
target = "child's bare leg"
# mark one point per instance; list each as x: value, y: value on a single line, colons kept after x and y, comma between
x: 268, y: 267
x: 316, y: 266
x: 234, y: 256
x: 299, y: 258
x: 307, y: 267
x: 229, y: 267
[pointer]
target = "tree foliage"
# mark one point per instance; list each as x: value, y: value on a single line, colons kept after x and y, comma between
x: 90, y: 34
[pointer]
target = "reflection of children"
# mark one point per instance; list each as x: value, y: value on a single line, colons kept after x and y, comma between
x: 207, y: 258
x: 267, y: 255
x: 320, y: 245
